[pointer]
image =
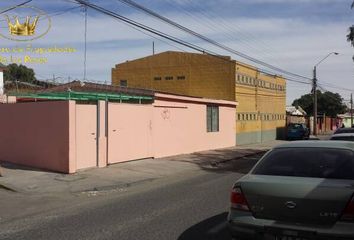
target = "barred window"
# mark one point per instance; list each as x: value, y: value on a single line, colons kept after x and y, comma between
x: 212, y: 119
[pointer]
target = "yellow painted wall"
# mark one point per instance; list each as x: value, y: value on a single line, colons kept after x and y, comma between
x: 261, y: 100
x: 261, y: 97
x: 204, y: 75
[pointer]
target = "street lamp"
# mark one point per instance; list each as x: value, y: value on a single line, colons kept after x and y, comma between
x: 314, y: 82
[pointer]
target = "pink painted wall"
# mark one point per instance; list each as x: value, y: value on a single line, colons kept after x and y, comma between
x: 102, y: 134
x: 63, y: 136
x: 179, y: 125
x: 36, y: 134
x: 172, y: 125
x: 86, y: 136
x: 129, y: 132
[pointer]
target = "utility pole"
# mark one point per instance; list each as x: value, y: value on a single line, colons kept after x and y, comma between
x: 351, y: 110
x: 85, y: 52
x: 314, y: 89
x: 153, y: 48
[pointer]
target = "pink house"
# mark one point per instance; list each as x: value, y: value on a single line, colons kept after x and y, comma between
x: 66, y: 136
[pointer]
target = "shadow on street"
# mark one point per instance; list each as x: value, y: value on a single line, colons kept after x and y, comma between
x: 242, y: 165
x: 214, y: 228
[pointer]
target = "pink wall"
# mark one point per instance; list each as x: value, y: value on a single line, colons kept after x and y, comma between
x: 172, y: 125
x: 179, y: 125
x: 86, y: 136
x: 35, y: 134
x: 66, y: 137
x: 129, y: 132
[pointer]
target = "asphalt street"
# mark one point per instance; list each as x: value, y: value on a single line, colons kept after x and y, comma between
x: 190, y: 206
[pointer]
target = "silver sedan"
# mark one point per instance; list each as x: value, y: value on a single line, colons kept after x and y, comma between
x: 297, y: 191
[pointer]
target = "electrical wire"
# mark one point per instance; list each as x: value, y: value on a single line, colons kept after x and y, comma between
x: 14, y: 7
x: 330, y: 96
x: 202, y: 37
x: 58, y: 13
x: 336, y: 87
x: 154, y: 14
x: 244, y: 38
x: 163, y: 35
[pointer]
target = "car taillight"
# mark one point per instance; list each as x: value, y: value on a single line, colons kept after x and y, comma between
x: 238, y: 199
x: 348, y: 214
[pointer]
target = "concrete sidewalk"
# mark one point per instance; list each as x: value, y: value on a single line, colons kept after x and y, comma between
x: 122, y: 175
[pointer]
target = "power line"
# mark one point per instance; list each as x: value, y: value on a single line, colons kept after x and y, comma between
x: 16, y: 6
x: 336, y: 87
x: 166, y: 36
x: 149, y: 29
x: 243, y: 37
x: 50, y: 15
x: 213, y: 42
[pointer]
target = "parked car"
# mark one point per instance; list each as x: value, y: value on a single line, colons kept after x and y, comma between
x: 300, y: 190
x: 343, y: 137
x: 344, y: 130
x: 297, y: 131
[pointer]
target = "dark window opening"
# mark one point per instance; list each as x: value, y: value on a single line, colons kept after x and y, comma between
x: 123, y: 83
x: 212, y: 118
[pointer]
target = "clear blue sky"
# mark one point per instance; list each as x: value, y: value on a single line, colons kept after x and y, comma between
x: 290, y: 34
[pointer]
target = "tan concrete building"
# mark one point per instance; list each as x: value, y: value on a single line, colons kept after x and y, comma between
x: 261, y: 97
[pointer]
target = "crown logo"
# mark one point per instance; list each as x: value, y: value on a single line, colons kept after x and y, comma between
x: 25, y: 29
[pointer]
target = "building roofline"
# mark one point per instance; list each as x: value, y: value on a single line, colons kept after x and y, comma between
x: 175, y: 52
x: 184, y: 98
x: 228, y: 58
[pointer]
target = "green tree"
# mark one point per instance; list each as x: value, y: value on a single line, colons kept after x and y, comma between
x: 328, y: 103
x: 350, y: 36
x: 20, y: 73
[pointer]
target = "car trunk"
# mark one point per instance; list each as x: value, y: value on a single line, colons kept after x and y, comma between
x: 296, y: 199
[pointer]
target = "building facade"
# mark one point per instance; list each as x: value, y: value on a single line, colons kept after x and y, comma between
x: 94, y: 126
x: 261, y: 111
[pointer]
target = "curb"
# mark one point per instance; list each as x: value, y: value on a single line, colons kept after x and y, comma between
x: 7, y: 188
x: 239, y: 157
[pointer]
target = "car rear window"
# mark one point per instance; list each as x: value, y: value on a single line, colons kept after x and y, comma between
x: 344, y: 130
x: 343, y: 138
x: 295, y: 126
x: 308, y: 162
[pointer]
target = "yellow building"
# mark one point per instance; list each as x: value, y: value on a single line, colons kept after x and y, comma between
x: 261, y: 97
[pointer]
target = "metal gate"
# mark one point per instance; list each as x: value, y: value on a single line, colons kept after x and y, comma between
x: 129, y: 132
